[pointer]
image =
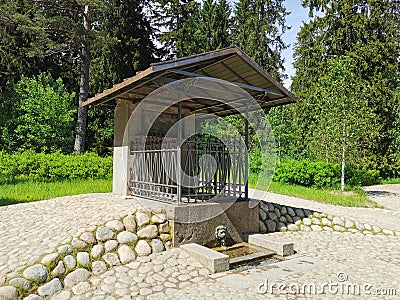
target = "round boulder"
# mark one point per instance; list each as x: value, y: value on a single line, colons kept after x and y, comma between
x: 126, y: 254
x: 110, y: 245
x: 36, y: 272
x: 158, y: 218
x: 293, y: 227
x: 142, y: 219
x: 76, y: 276
x: 88, y: 237
x: 130, y: 223
x: 97, y: 250
x: 271, y: 225
x: 8, y: 293
x: 70, y: 262
x: 50, y: 258
x: 65, y: 249
x: 126, y: 237
x: 79, y: 244
x: 262, y: 214
x: 157, y: 246
x: 142, y: 248
x: 21, y: 283
x: 115, y: 225
x: 149, y: 232
x: 104, y: 234
x: 33, y: 297
x: 59, y: 269
x: 50, y: 288
x: 99, y: 267
x: 111, y: 259
x: 83, y: 259
x: 263, y: 228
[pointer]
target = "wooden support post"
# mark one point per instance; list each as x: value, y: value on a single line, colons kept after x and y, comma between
x: 179, y: 155
x: 246, y: 164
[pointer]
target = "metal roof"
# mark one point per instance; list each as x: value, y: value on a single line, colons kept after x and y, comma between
x: 230, y: 64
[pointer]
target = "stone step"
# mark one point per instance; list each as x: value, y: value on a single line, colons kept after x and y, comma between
x: 281, y: 246
x: 211, y: 259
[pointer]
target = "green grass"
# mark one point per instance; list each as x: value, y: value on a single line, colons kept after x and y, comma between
x: 35, y: 191
x: 355, y: 198
x: 390, y: 181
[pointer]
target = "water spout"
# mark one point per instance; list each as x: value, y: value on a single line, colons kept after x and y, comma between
x: 220, y: 235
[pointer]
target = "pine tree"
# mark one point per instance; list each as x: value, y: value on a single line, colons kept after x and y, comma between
x: 175, y: 20
x: 258, y: 27
x: 213, y: 25
x: 223, y: 28
x: 123, y: 47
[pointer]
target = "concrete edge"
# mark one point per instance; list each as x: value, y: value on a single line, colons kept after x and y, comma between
x: 211, y: 259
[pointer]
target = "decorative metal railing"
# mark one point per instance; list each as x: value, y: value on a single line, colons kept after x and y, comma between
x: 210, y: 169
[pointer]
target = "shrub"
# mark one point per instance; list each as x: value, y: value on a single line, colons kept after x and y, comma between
x: 39, y: 116
x: 52, y: 167
x: 321, y: 174
x: 356, y: 177
x: 307, y: 173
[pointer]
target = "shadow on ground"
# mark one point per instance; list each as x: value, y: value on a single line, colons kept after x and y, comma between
x: 380, y: 194
x: 8, y: 201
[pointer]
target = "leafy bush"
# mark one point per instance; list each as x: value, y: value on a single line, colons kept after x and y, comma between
x: 255, y: 161
x: 390, y: 170
x: 321, y: 174
x: 307, y: 173
x: 356, y: 177
x: 38, y: 115
x: 53, y: 167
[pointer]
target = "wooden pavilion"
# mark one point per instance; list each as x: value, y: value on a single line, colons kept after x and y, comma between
x: 137, y: 171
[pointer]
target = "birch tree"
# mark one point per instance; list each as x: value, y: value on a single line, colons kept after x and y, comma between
x: 345, y: 118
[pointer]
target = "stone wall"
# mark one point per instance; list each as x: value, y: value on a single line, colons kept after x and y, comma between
x: 114, y: 243
x: 280, y: 218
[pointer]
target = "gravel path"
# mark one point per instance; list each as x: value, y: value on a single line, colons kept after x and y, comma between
x: 385, y: 218
x: 29, y: 230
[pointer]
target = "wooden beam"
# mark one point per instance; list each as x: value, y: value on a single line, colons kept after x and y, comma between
x: 245, y: 86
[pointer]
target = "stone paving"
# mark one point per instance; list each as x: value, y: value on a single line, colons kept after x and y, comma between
x: 30, y: 230
x: 387, y: 218
x: 387, y: 195
x: 373, y: 260
x: 33, y: 229
x: 158, y: 273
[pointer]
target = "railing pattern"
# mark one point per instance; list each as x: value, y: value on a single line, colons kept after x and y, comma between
x: 210, y: 168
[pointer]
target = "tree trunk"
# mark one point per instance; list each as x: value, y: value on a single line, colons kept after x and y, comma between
x: 343, y: 156
x: 83, y: 86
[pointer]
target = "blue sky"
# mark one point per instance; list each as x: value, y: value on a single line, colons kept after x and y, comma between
x: 298, y: 14
x: 295, y: 19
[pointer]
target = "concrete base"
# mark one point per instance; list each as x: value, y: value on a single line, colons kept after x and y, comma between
x: 280, y: 245
x: 196, y: 223
x: 211, y: 259
x: 120, y: 171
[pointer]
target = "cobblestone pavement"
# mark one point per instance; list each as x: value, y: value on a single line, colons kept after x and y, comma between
x: 358, y: 259
x: 385, y: 218
x: 387, y: 195
x: 30, y: 230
